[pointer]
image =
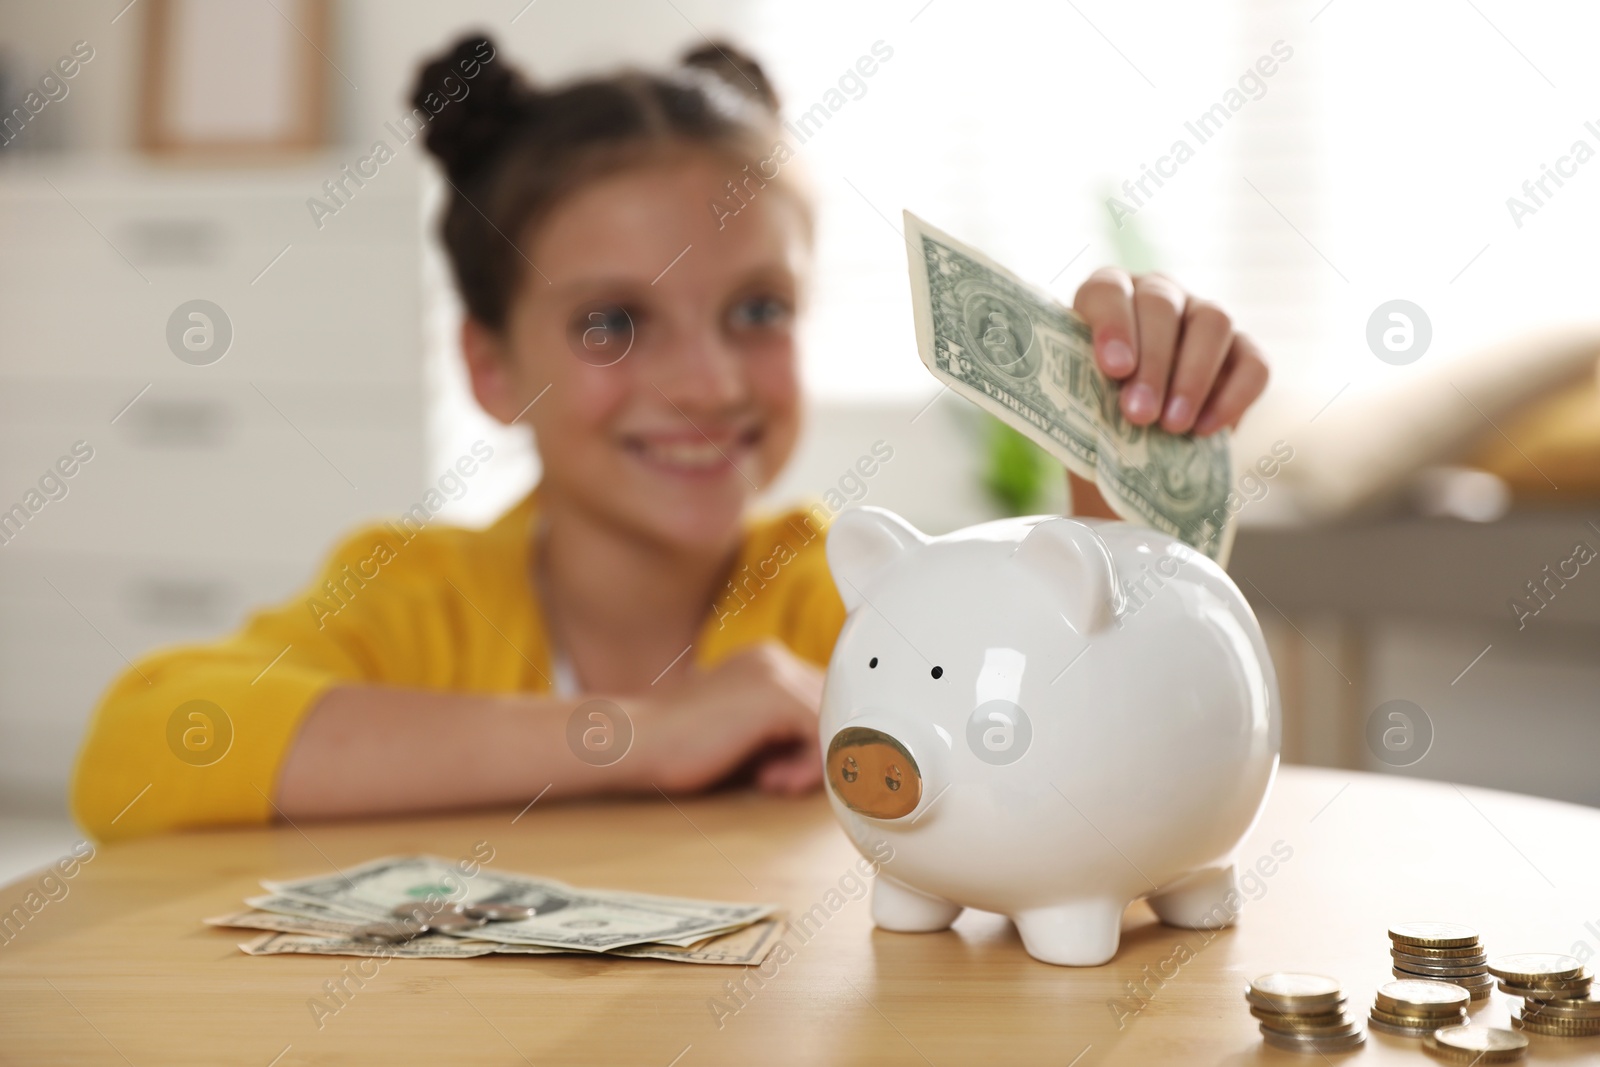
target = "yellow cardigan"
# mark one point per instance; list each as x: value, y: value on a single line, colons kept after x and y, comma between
x: 195, y: 735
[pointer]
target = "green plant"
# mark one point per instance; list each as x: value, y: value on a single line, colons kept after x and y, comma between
x: 1017, y: 470
x: 1017, y: 473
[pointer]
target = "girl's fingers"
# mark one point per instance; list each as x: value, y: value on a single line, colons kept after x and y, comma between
x: 1179, y: 359
x: 1207, y: 339
x: 1105, y: 302
x: 1158, y: 306
x: 1241, y: 380
x: 796, y: 772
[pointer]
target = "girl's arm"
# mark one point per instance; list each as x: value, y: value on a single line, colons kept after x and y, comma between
x: 374, y: 750
x: 1086, y: 499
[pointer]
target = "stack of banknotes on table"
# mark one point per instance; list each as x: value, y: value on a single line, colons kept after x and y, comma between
x: 425, y: 907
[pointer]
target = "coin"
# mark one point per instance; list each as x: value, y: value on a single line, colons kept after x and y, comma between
x: 1335, y: 1027
x: 1534, y: 968
x: 423, y: 910
x: 1431, y: 953
x: 1567, y: 1027
x: 1476, y: 992
x: 1434, y: 935
x: 451, y: 923
x: 1401, y: 1031
x: 1411, y: 963
x: 1575, y: 1022
x: 1402, y: 952
x: 1475, y: 1044
x: 1467, y: 982
x: 1420, y: 997
x: 1547, y: 991
x: 1558, y: 1027
x: 493, y: 912
x: 1584, y: 1007
x: 1276, y: 1008
x: 1314, y: 1044
x: 1431, y: 1022
x: 1302, y: 993
x: 447, y: 918
x: 389, y: 932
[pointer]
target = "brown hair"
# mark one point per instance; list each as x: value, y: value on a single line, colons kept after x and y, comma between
x: 511, y: 151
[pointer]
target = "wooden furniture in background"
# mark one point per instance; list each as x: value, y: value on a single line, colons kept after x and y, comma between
x: 121, y: 968
x: 1419, y: 609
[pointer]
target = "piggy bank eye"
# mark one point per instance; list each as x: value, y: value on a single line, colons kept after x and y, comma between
x: 892, y: 779
x: 850, y: 772
x: 873, y: 662
x: 938, y: 672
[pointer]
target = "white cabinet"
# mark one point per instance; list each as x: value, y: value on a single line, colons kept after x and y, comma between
x: 222, y: 486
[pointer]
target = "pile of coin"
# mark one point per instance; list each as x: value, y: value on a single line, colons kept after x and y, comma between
x: 1302, y: 1013
x: 1557, y: 1000
x: 1416, y: 1008
x: 1441, y: 952
x: 438, y: 916
x: 1475, y: 1044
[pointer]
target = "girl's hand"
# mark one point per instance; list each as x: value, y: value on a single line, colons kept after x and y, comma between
x: 760, y: 703
x: 1177, y: 356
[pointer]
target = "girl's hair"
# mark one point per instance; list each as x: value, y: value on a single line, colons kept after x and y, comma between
x: 511, y: 151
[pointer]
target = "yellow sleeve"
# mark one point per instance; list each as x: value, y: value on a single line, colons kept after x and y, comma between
x: 816, y: 614
x: 195, y: 735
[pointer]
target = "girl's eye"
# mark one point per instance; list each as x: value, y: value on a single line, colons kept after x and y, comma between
x: 601, y: 334
x: 760, y: 312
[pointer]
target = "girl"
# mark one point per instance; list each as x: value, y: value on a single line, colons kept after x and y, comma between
x: 576, y: 645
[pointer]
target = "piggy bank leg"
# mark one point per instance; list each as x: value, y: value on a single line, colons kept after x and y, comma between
x: 1201, y: 901
x: 1084, y: 933
x: 902, y: 909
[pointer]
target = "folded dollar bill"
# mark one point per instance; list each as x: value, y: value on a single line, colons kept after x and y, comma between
x: 327, y: 915
x: 1016, y: 352
x: 565, y: 917
x: 745, y: 947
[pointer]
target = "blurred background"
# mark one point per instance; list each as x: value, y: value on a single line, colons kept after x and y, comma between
x: 1421, y: 564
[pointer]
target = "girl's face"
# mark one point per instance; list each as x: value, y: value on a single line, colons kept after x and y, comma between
x: 657, y: 350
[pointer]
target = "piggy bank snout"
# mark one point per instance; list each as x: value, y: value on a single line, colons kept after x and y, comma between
x: 873, y: 773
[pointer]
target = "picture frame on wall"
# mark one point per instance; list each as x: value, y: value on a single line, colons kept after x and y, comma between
x: 235, y: 80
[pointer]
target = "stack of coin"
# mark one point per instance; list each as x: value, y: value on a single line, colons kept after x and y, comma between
x: 1441, y: 952
x: 1557, y: 1000
x: 1416, y: 1008
x: 1302, y: 1013
x: 1577, y: 1016
x: 1475, y: 1045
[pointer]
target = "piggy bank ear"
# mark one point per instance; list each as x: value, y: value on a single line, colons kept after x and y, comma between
x: 1072, y: 561
x: 862, y: 542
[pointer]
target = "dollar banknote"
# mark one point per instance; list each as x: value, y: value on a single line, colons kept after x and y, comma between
x: 565, y: 917
x: 1018, y: 353
x: 308, y: 909
x: 745, y: 947
x: 256, y: 919
x: 426, y: 947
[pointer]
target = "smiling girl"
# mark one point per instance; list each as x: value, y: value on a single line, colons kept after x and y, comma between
x: 573, y: 647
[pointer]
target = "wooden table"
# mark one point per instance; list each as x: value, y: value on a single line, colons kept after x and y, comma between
x: 120, y: 970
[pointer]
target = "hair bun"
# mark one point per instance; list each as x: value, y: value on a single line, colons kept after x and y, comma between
x: 466, y: 129
x: 736, y: 68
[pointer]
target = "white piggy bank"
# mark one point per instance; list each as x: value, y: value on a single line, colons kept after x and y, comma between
x: 1046, y: 718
